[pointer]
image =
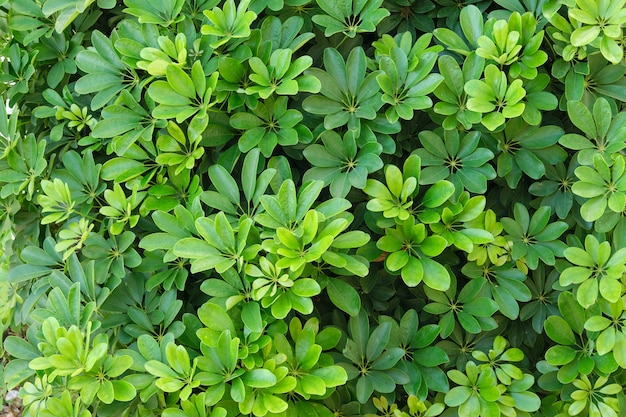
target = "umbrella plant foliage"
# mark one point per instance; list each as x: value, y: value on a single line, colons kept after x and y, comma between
x: 317, y: 208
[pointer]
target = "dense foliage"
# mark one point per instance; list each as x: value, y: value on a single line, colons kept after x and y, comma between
x: 313, y: 207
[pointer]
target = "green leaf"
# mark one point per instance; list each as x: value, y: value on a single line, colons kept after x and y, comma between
x: 332, y: 376
x: 438, y: 194
x: 619, y: 350
x: 160, y: 369
x: 394, y: 180
x: 19, y: 348
x: 215, y: 318
x: 457, y: 396
x: 433, y: 245
x: 180, y: 81
x: 481, y: 307
x: 22, y: 273
x: 581, y: 117
x: 611, y: 50
x: 397, y: 260
x: 382, y: 381
x: 224, y: 183
x: 313, y: 385
x: 584, y: 35
x: 378, y: 341
x: 560, y: 355
x: 306, y: 287
x: 451, y: 39
x: 413, y: 272
x: 344, y: 296
x: 123, y: 390
x: 559, y: 331
x: 436, y: 276
x: 259, y: 378
x: 594, y: 208
x: 597, y: 323
x: 163, y: 92
x: 471, y: 19
x: 251, y: 317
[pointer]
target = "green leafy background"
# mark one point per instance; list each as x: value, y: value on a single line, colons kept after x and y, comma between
x: 313, y: 207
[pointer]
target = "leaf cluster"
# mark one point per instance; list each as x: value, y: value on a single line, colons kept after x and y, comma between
x: 316, y: 208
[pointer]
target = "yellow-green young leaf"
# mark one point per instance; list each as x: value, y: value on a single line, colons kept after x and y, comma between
x: 397, y: 260
x: 168, y: 384
x: 309, y: 227
x: 433, y: 245
x: 98, y: 352
x: 574, y: 275
x: 587, y: 293
x: 611, y: 50
x: 313, y: 385
x: 288, y: 239
x: 332, y: 376
x: 160, y: 369
x: 281, y: 60
x: 306, y: 287
x: 67, y: 348
x: 408, y: 187
x: 619, y: 349
x: 274, y: 404
x: 178, y: 358
x: 328, y: 338
x: 452, y: 40
x: 597, y: 323
x: 413, y: 272
x: 457, y: 396
x: 610, y: 289
x: 287, y: 200
x: 259, y: 378
x: 493, y: 120
x: 198, y: 78
x: 578, y: 256
x: 334, y: 259
x: 308, y: 83
x: 351, y: 239
x: 376, y: 189
x: 438, y: 194
x: 394, y: 180
x: 64, y: 365
x: 174, y: 412
x: 606, y: 341
x: 120, y: 365
x: 40, y: 364
x: 584, y: 35
x: 106, y: 392
x: 123, y: 390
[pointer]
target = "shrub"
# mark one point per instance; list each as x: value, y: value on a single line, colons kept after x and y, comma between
x: 313, y: 207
